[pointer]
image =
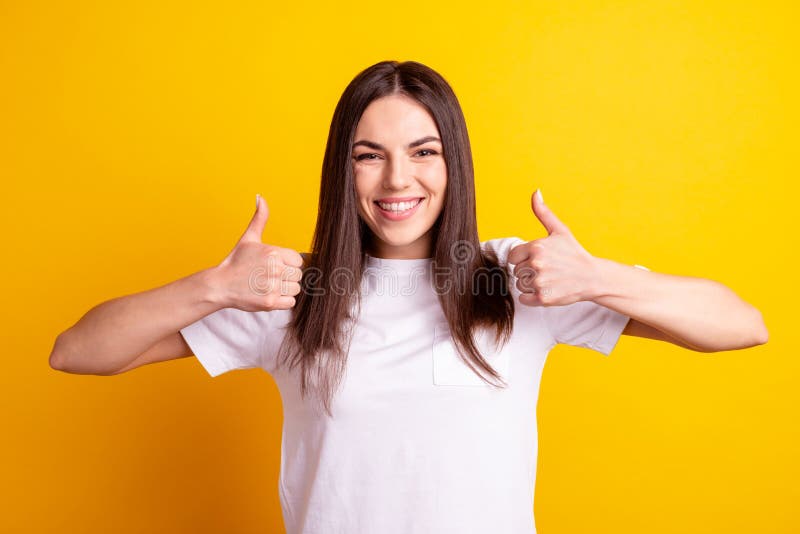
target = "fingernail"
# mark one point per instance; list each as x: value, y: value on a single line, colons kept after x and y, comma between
x: 539, y: 194
x: 257, y: 195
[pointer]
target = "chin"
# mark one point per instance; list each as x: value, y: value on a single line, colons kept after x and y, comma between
x: 401, y: 241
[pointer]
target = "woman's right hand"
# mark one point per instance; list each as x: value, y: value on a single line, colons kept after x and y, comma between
x: 256, y: 276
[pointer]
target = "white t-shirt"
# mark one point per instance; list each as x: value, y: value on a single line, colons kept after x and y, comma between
x: 418, y: 443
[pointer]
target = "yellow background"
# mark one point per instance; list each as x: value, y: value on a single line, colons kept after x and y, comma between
x: 134, y: 138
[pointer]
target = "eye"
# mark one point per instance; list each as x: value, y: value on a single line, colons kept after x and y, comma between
x: 368, y: 155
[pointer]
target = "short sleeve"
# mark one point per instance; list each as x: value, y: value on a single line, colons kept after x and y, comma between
x: 582, y: 324
x: 229, y: 339
x: 585, y: 324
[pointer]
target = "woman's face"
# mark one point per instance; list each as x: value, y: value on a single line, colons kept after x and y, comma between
x: 400, y: 176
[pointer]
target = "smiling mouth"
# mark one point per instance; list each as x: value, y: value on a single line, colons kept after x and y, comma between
x: 398, y: 207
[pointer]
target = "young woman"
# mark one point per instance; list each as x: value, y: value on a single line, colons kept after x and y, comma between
x: 407, y: 352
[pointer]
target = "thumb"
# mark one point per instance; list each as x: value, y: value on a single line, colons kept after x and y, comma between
x: 256, y: 226
x: 552, y: 224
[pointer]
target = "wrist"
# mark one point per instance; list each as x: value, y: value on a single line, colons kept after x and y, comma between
x: 211, y: 289
x: 604, y: 278
x: 610, y: 278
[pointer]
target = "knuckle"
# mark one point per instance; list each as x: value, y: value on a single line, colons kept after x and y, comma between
x: 520, y: 286
x: 525, y: 270
x: 289, y: 288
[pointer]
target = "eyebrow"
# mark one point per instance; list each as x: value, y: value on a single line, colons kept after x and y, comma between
x: 375, y: 146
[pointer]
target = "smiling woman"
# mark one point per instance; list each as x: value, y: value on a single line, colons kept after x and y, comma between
x: 397, y: 184
x: 408, y: 353
x: 404, y: 181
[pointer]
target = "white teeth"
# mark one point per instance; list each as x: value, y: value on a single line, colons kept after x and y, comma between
x: 399, y: 206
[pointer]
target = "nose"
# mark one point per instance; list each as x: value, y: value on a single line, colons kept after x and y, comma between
x: 397, y: 176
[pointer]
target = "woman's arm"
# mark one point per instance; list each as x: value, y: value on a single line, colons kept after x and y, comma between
x: 691, y: 312
x: 704, y: 314
x: 114, y: 333
x: 110, y: 337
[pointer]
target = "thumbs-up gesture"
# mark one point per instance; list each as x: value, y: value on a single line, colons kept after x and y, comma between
x: 256, y: 276
x: 554, y: 270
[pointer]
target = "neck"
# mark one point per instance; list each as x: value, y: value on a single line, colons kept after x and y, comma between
x: 419, y: 249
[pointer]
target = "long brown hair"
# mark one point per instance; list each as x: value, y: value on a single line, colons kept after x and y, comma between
x: 477, y: 288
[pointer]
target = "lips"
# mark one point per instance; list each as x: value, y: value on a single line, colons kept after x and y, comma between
x: 413, y: 202
x: 399, y: 215
x: 390, y: 200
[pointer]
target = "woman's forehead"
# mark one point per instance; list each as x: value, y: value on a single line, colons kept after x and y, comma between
x: 396, y: 117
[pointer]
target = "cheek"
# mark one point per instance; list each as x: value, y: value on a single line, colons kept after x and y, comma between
x: 366, y: 170
x: 364, y: 184
x: 436, y: 175
x: 436, y: 179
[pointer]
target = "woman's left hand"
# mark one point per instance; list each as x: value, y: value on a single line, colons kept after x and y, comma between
x: 554, y: 270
